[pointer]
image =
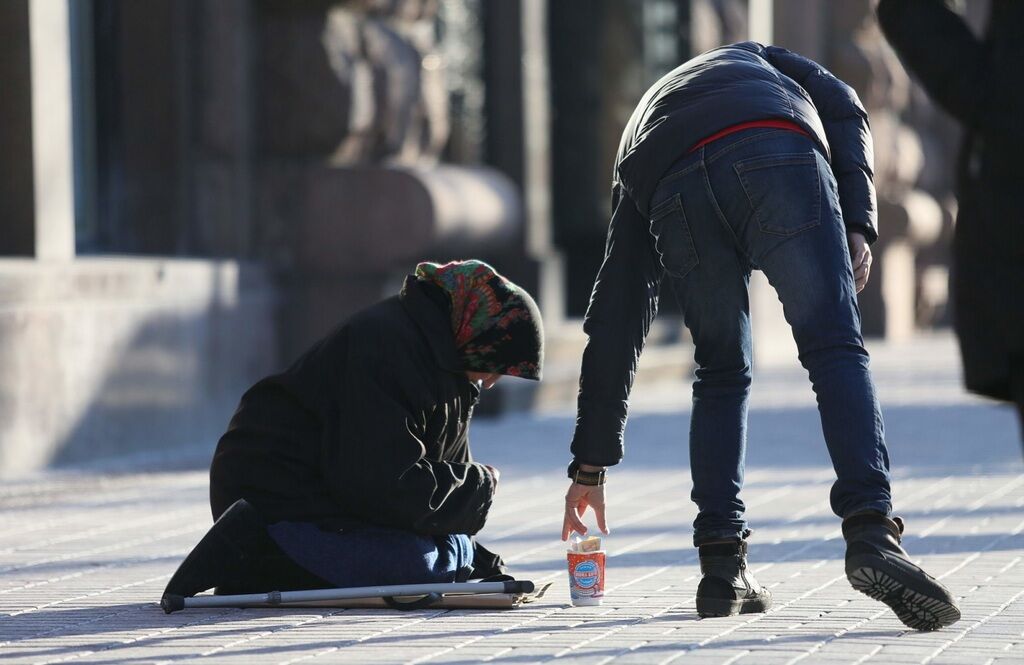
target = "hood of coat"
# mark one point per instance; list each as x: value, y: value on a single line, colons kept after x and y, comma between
x: 428, y: 306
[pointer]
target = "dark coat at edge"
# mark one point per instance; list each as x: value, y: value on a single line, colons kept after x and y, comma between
x: 981, y: 84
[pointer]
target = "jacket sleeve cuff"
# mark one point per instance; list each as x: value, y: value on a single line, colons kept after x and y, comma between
x: 867, y: 230
x: 598, y: 437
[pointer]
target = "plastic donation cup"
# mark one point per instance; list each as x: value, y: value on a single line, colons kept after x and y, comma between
x: 586, y: 577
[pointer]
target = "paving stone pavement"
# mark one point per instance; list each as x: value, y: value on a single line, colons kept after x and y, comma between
x: 85, y: 553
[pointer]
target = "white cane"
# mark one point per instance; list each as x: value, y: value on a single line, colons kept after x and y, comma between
x: 173, y: 603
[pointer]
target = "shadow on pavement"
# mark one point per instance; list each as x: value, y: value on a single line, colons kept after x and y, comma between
x: 658, y: 650
x: 227, y: 623
x: 235, y: 624
x: 921, y: 439
x: 814, y: 549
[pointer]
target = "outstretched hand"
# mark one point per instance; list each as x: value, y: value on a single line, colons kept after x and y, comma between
x: 577, y: 500
x: 860, y: 257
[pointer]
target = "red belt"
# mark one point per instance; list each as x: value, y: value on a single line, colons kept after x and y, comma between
x: 774, y: 124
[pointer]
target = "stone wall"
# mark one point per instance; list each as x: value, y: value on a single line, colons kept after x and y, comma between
x: 105, y: 356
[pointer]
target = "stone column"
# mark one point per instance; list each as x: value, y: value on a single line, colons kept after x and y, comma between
x: 800, y: 26
x: 717, y: 22
x: 537, y: 161
x: 760, y: 18
x: 17, y: 203
x: 52, y: 152
x: 223, y: 133
x: 37, y: 190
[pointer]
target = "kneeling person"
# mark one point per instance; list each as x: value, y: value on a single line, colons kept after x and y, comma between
x: 353, y: 467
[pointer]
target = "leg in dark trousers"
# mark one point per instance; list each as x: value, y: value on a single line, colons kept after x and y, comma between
x: 373, y: 556
x: 778, y: 196
x: 767, y: 198
x: 241, y: 554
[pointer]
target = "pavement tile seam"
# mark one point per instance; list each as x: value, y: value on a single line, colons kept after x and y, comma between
x: 29, y: 526
x: 164, y: 535
x: 148, y: 521
x: 962, y: 634
x: 107, y: 590
x: 175, y: 555
x: 992, y: 544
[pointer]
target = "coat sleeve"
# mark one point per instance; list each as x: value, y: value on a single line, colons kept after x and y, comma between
x: 379, y: 465
x: 848, y: 134
x: 939, y: 48
x: 622, y: 305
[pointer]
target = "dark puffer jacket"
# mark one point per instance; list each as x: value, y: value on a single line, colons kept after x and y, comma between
x: 719, y: 89
x: 740, y: 83
x: 370, y: 426
x: 981, y: 83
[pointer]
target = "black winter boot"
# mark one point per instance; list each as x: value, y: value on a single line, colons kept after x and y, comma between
x: 728, y: 587
x: 237, y: 555
x: 879, y: 567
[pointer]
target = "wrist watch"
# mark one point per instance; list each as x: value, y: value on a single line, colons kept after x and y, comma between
x: 582, y: 477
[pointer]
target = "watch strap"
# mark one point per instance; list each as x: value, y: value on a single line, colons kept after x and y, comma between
x: 582, y: 477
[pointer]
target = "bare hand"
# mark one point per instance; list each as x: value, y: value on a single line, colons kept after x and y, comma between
x: 494, y: 474
x: 860, y: 257
x: 577, y: 499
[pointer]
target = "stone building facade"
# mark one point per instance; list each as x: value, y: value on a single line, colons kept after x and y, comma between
x: 193, y: 190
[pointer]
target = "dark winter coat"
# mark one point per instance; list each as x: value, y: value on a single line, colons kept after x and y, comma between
x: 370, y: 426
x: 981, y: 83
x: 719, y: 89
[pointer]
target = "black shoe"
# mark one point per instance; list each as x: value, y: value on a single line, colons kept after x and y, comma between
x: 237, y: 555
x: 879, y: 567
x: 728, y: 587
x: 224, y: 555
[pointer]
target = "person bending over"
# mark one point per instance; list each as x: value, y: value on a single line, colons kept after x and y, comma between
x: 353, y: 467
x: 747, y: 157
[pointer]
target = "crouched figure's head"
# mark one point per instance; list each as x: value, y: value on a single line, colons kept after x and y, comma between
x: 496, y: 324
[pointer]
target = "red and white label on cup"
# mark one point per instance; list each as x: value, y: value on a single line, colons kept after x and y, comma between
x: 586, y: 561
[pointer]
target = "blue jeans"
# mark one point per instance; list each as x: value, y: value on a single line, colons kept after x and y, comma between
x: 373, y: 556
x: 767, y: 199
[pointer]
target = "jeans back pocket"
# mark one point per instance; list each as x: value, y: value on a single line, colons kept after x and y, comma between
x: 784, y: 191
x: 672, y: 239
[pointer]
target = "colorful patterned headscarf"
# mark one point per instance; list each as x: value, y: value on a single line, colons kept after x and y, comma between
x: 497, y: 324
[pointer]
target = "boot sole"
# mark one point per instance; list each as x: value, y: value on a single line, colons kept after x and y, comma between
x: 720, y: 607
x: 915, y: 609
